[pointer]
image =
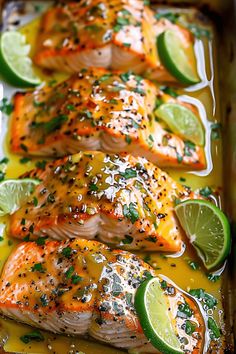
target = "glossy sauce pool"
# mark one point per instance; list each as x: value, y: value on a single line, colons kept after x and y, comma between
x: 178, y: 268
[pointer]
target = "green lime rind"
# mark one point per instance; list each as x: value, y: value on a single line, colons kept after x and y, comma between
x: 182, y: 121
x: 16, y: 66
x: 152, y: 310
x: 14, y: 193
x: 173, y: 56
x: 208, y: 230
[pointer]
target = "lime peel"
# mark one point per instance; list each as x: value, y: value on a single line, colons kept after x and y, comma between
x: 16, y: 65
x: 173, y: 56
x: 152, y: 309
x: 182, y: 121
x: 14, y: 193
x: 208, y: 230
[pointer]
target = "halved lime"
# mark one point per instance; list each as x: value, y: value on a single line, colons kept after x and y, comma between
x: 208, y: 230
x: 15, y: 64
x: 14, y: 193
x: 178, y: 60
x: 182, y: 121
x: 152, y: 309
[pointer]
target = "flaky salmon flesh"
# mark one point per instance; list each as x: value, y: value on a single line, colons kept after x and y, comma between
x: 99, y: 110
x: 109, y: 33
x: 81, y: 287
x: 121, y: 200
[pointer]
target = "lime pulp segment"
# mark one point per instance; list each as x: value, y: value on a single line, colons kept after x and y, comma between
x: 208, y: 230
x: 16, y: 66
x: 177, y: 59
x: 152, y: 309
x: 15, y: 193
x: 182, y: 121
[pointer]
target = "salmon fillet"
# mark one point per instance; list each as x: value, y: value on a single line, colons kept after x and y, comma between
x: 109, y: 33
x: 81, y: 287
x: 100, y: 110
x: 121, y: 200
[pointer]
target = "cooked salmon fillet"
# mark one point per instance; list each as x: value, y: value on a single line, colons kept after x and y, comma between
x: 109, y: 33
x: 100, y: 110
x: 121, y: 200
x: 81, y: 287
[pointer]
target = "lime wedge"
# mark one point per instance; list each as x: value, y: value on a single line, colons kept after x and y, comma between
x: 177, y: 59
x: 14, y: 193
x: 16, y: 66
x: 152, y: 309
x: 182, y: 121
x: 208, y: 230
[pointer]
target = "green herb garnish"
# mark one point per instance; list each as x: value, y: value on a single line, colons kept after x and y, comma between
x: 32, y: 336
x: 131, y: 212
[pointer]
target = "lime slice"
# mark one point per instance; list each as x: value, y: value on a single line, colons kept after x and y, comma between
x: 182, y: 121
x: 14, y: 193
x: 208, y: 230
x: 177, y: 59
x: 16, y: 66
x: 152, y: 309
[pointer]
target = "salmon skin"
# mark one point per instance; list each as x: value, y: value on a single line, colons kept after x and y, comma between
x: 121, y: 200
x: 110, y: 33
x: 81, y: 287
x: 100, y: 110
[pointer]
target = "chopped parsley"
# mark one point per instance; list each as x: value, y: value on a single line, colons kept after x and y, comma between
x: 69, y: 272
x: 4, y: 160
x: 126, y: 76
x: 190, y: 327
x: 41, y: 164
x: 150, y: 141
x: 184, y: 311
x: 129, y: 173
x: 70, y: 107
x: 147, y: 258
x: 209, y: 300
x: 163, y: 284
x: 44, y: 300
x: 206, y: 191
x: 35, y: 201
x: 93, y: 187
x: 24, y: 147
x: 214, y: 329
x: 24, y: 160
x: 179, y: 157
x: 128, y: 139
x: 127, y: 240
x: 192, y: 264
x: 41, y: 241
x: 75, y: 279
x: 52, y: 125
x: 189, y: 147
x: 6, y: 107
x: 131, y: 212
x: 38, y: 268
x: 66, y: 252
x: 32, y: 336
x: 213, y: 277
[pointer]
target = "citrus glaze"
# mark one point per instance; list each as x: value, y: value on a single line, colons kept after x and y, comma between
x: 179, y: 269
